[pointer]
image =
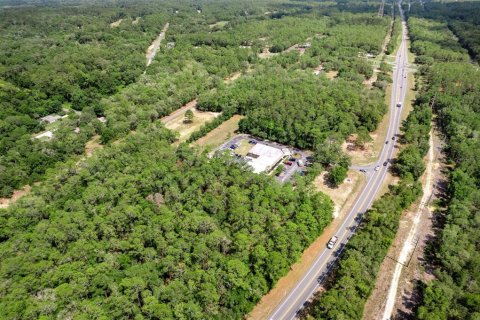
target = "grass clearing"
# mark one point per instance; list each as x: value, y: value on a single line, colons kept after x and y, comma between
x: 92, y: 145
x: 219, y: 135
x: 219, y: 24
x: 185, y: 129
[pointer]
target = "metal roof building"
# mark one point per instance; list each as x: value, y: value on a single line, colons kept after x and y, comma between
x: 263, y: 157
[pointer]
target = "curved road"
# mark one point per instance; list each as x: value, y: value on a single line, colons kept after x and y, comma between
x: 305, y: 288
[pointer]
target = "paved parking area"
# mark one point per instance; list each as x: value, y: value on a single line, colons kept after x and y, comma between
x: 295, y: 161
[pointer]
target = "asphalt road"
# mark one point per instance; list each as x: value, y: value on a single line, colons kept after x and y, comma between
x: 310, y: 282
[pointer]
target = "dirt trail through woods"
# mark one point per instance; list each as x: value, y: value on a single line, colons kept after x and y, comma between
x: 153, y: 49
x: 409, y: 244
x: 394, y: 294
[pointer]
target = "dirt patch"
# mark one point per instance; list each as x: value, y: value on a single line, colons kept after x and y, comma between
x: 331, y: 74
x: 220, y: 134
x: 344, y: 192
x: 360, y: 155
x: 92, y: 145
x: 184, y: 129
x: 136, y: 21
x: 272, y: 299
x: 116, y: 23
x: 179, y: 112
x: 17, y: 194
x: 232, y: 77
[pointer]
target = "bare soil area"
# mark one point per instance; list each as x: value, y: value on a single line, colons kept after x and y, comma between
x: 272, y: 299
x: 232, y: 77
x: 220, y: 134
x: 184, y: 129
x: 360, y: 155
x: 116, y: 23
x: 348, y: 189
x: 331, y: 74
x: 17, y: 194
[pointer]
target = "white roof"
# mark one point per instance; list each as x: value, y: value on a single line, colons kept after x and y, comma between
x: 267, y: 157
x: 50, y: 118
x: 47, y: 134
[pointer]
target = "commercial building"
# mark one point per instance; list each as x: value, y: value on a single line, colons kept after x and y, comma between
x: 263, y: 158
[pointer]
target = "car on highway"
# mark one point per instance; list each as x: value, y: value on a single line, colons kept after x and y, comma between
x: 393, y: 138
x: 386, y: 142
x: 377, y: 168
x: 399, y: 104
x: 363, y: 170
x: 385, y: 163
x: 332, y: 242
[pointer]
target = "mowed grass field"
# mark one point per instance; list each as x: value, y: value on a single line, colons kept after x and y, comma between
x: 220, y: 134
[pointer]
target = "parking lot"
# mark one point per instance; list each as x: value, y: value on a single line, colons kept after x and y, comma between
x: 267, y: 156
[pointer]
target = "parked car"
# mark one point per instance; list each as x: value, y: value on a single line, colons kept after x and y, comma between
x: 363, y: 170
x: 252, y: 141
x: 332, y: 242
x: 292, y: 159
x: 300, y: 163
x: 288, y: 163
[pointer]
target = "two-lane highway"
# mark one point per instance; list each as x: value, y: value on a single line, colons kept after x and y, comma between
x: 376, y: 174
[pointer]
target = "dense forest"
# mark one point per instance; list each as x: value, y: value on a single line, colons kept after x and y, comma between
x: 296, y: 108
x: 454, y: 91
x: 327, y: 109
x: 92, y: 65
x: 144, y: 229
x: 147, y: 229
